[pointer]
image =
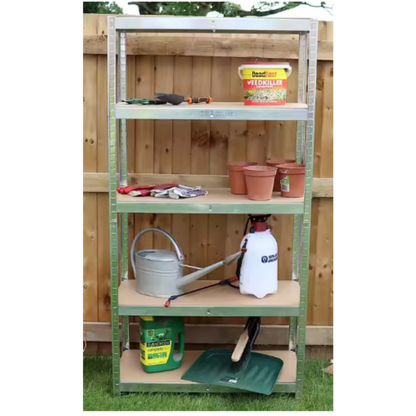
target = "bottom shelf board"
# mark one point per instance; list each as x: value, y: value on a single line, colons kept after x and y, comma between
x: 134, y: 378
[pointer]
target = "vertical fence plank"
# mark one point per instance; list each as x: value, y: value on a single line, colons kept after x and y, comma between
x: 104, y: 310
x: 90, y: 113
x: 323, y: 270
x: 312, y: 260
x: 88, y: 257
x: 102, y: 125
x: 200, y: 155
x: 144, y: 143
x: 200, y: 145
x: 103, y: 241
x: 163, y: 144
x: 163, y: 128
x: 220, y: 133
x: 323, y: 276
x: 90, y: 137
x: 237, y: 143
x: 181, y: 162
x: 182, y: 85
x: 144, y: 129
x: 220, y: 130
x: 237, y: 151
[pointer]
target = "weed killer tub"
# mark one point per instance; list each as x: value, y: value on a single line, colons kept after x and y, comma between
x: 265, y: 83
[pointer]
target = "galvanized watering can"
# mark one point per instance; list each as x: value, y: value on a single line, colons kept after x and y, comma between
x: 159, y: 273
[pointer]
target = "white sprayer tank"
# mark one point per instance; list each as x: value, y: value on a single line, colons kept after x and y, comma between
x: 258, y: 275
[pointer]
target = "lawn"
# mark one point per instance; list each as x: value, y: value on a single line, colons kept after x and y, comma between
x: 317, y: 394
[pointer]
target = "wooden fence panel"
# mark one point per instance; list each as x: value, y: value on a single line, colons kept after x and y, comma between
x: 90, y: 146
x: 202, y: 147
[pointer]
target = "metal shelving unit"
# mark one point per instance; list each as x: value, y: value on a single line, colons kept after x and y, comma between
x: 291, y: 298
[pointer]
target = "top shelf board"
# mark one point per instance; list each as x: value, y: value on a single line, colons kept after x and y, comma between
x: 212, y: 111
x: 217, y: 25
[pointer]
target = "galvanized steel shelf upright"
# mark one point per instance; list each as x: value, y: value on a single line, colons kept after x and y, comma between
x: 303, y: 112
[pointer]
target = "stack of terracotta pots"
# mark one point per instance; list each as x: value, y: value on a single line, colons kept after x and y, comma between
x: 259, y: 182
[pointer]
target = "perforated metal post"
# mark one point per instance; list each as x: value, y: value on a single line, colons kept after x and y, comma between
x: 122, y: 137
x: 306, y: 221
x: 112, y: 198
x: 122, y: 91
x: 300, y: 143
x: 302, y: 73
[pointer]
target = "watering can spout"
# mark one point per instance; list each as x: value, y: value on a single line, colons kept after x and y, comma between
x: 203, y: 272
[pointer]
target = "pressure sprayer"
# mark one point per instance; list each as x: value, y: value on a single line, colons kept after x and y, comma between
x: 257, y: 268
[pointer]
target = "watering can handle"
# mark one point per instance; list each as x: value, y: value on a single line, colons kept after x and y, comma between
x: 136, y: 239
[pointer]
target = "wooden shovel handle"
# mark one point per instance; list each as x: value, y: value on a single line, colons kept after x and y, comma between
x: 239, y: 348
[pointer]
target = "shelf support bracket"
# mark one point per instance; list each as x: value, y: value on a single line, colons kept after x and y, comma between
x: 300, y: 144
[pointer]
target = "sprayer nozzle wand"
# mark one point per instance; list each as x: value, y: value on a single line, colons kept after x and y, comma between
x: 221, y: 282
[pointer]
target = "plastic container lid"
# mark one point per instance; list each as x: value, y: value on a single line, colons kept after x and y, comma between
x: 283, y: 65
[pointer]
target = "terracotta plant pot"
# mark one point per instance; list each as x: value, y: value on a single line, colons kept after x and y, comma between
x: 260, y: 180
x: 276, y: 162
x: 292, y: 180
x: 236, y: 175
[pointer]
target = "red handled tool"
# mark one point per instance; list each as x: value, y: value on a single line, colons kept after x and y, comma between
x: 143, y: 190
x: 197, y: 100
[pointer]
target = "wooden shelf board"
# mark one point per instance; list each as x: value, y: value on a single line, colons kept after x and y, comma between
x: 212, y: 111
x: 218, y: 200
x: 131, y: 370
x: 227, y: 300
x: 217, y: 106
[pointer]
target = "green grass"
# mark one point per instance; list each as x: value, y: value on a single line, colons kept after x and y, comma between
x: 317, y: 394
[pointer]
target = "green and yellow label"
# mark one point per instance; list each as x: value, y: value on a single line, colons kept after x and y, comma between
x: 156, y: 352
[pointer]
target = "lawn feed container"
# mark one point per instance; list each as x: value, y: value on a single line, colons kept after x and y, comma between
x: 158, y: 335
